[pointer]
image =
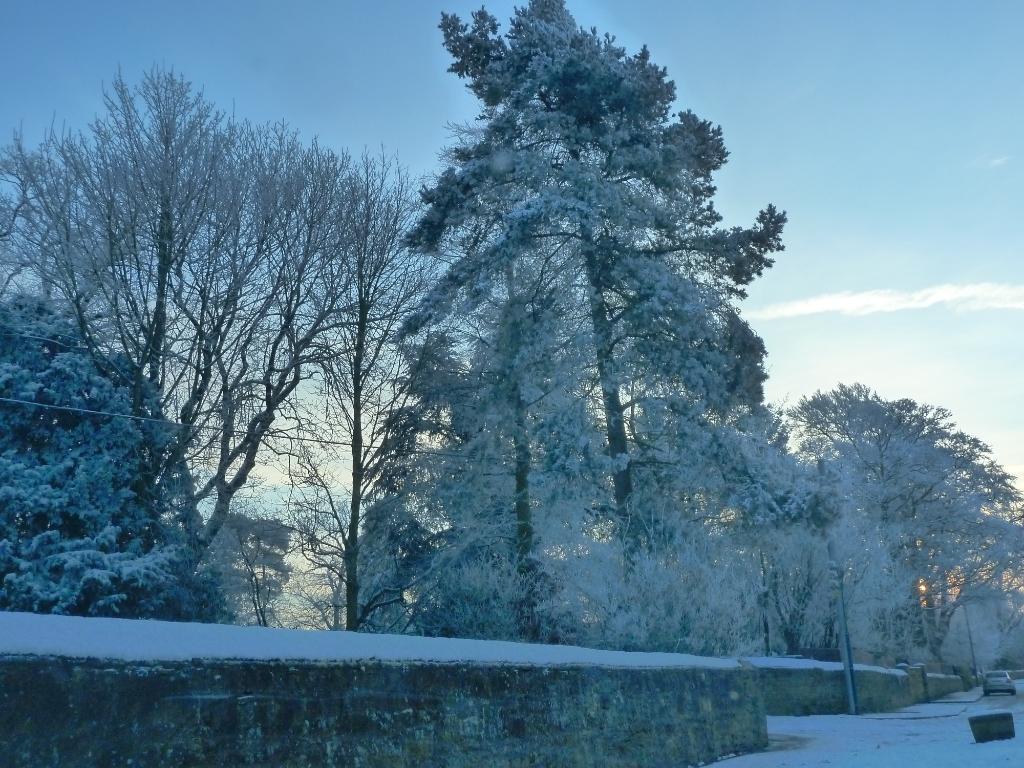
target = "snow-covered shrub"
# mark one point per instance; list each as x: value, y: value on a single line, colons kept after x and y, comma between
x: 83, y: 529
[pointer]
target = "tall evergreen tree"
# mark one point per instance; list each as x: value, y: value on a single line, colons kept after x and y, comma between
x: 578, y: 167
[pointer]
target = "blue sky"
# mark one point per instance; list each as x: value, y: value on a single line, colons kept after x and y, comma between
x: 890, y: 132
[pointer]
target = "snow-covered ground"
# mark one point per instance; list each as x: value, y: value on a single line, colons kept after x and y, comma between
x: 934, y: 735
x: 28, y: 633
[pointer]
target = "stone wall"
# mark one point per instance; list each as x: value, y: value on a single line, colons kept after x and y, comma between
x: 70, y: 713
x: 917, y: 681
x: 817, y: 691
x: 823, y: 691
x: 943, y: 685
x: 176, y: 695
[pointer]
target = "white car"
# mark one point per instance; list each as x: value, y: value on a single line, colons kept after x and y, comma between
x: 998, y: 682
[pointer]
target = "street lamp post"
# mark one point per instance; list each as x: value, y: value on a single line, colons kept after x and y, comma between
x: 970, y: 642
x: 845, y: 650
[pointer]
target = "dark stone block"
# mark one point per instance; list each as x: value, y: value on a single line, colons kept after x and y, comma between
x: 994, y: 726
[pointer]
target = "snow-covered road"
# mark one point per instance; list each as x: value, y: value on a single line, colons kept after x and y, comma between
x: 934, y: 735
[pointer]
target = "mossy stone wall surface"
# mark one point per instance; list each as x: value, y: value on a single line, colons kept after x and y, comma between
x: 72, y: 713
x: 823, y: 691
x: 917, y: 680
x: 943, y: 685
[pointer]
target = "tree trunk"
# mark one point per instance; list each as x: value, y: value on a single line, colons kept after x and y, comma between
x: 525, y: 564
x: 351, y: 589
x: 615, y: 424
x: 352, y: 616
x: 158, y: 334
x: 765, y: 626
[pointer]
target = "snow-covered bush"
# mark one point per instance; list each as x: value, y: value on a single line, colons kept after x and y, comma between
x: 83, y: 529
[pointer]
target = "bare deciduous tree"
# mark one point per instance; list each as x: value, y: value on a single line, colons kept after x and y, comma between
x: 13, y: 199
x: 207, y: 255
x: 365, y: 398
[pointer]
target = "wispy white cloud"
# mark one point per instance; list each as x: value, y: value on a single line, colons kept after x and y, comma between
x: 990, y: 161
x: 962, y: 298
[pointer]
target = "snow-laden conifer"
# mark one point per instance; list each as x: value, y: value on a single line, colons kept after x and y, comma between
x: 84, y: 529
x: 578, y: 155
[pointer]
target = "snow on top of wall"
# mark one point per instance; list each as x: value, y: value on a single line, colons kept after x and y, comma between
x: 133, y: 640
x: 783, y: 662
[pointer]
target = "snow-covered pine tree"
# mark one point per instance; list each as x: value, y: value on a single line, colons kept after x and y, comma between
x: 501, y: 427
x: 82, y: 528
x: 576, y: 154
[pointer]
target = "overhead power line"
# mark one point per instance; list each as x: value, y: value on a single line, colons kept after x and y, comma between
x: 179, y: 425
x: 75, y: 409
x: 200, y: 427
